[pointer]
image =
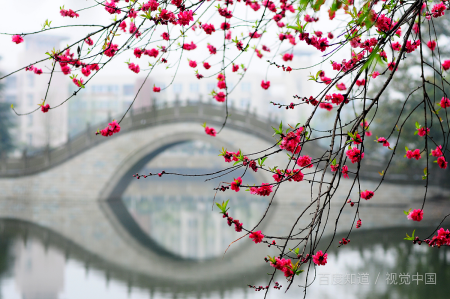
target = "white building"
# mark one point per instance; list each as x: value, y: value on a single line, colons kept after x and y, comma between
x: 27, y: 89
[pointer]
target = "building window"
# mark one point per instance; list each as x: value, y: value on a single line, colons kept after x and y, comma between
x: 194, y: 87
x: 30, y: 99
x: 246, y: 86
x: 30, y: 79
x: 128, y: 90
x: 177, y: 87
x: 112, y: 88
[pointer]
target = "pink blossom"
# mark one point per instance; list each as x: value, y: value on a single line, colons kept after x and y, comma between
x: 445, y: 102
x: 221, y: 85
x: 442, y: 163
x: 341, y: 86
x: 44, y: 108
x: 185, y: 17
x: 355, y: 155
x: 423, y: 131
x: 165, y: 36
x: 437, y: 152
x: 37, y: 71
x: 432, y: 45
x: 383, y: 141
x: 123, y: 26
x: 415, y: 215
x: 288, y: 57
x: 209, y: 28
x: 156, y: 89
x: 236, y: 184
x: 212, y: 49
x: 265, y: 84
x: 111, y: 49
x: 17, y: 39
x: 210, y: 131
x: 68, y: 13
x: 367, y: 194
x: 192, y: 63
x: 446, y: 65
x: 94, y: 67
x: 304, y: 161
x: 438, y: 10
x: 151, y: 53
x: 206, y: 65
x: 189, y: 47
x: 345, y: 171
x: 86, y: 71
x: 257, y: 237
x: 134, y: 67
x: 327, y: 106
x: 375, y: 74
x: 220, y: 97
x: 78, y: 82
x: 111, y: 7
x: 320, y: 259
x: 89, y: 41
x: 138, y: 52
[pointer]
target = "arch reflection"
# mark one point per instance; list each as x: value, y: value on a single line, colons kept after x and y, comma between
x: 177, y: 212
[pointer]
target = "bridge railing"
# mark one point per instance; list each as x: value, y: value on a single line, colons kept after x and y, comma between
x: 176, y: 111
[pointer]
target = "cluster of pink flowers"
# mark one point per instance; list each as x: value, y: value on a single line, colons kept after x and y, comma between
x: 423, y: 131
x: 111, y: 7
x: 438, y: 10
x: 34, y: 69
x: 413, y: 154
x: 320, y: 258
x: 235, y: 185
x: 68, y: 13
x: 355, y: 155
x: 294, y: 174
x: 111, y: 49
x: 291, y: 142
x: 134, y: 67
x: 442, y: 238
x: 442, y: 163
x: 230, y: 221
x: 284, y: 265
x: 189, y: 47
x: 304, y: 161
x: 264, y: 190
x: 112, y: 128
x: 358, y: 223
x: 383, y: 141
x: 320, y: 44
x: 185, y: 17
x: 415, y: 215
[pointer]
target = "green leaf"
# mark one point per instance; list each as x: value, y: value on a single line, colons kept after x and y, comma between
x: 410, y: 238
x: 417, y: 125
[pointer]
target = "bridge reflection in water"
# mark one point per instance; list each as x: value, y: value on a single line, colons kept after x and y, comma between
x: 162, y: 240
